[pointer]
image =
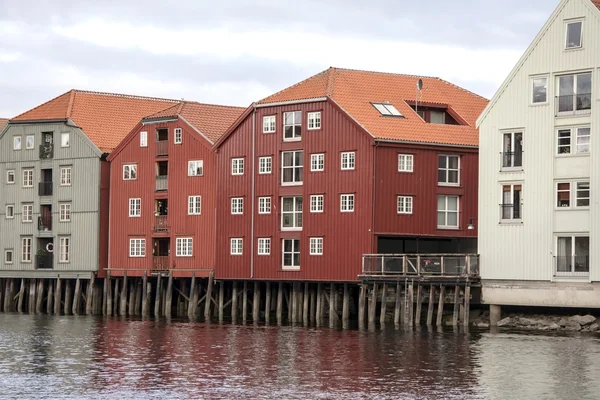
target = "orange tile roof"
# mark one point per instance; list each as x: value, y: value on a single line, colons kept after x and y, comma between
x: 3, y: 122
x: 354, y: 91
x: 106, y: 118
x: 212, y: 120
x: 596, y: 3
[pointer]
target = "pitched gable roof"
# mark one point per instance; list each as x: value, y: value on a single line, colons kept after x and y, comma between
x: 596, y: 3
x: 355, y: 91
x: 106, y: 118
x: 3, y: 122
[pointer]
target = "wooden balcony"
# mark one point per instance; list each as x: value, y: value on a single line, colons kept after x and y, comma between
x: 46, y: 151
x: 45, y: 223
x: 162, y: 148
x: 45, y: 188
x: 160, y: 223
x: 160, y: 263
x: 162, y: 183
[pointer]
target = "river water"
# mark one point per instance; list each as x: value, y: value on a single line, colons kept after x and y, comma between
x: 93, y: 357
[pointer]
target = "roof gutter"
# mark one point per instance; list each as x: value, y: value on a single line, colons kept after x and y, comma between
x: 426, y: 143
x: 290, y: 102
x: 150, y: 121
x: 37, y: 121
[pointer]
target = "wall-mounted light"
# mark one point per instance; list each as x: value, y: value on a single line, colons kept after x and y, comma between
x: 471, y: 226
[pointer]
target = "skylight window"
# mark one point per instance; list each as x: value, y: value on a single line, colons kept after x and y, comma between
x: 387, y: 109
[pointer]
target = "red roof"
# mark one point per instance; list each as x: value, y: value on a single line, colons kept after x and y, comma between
x: 106, y: 118
x: 354, y: 91
x: 3, y: 122
x: 596, y: 3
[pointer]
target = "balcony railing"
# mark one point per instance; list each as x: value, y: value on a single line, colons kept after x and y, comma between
x: 160, y: 223
x: 46, y: 151
x: 572, y: 265
x: 45, y: 188
x: 512, y: 159
x: 574, y: 104
x: 463, y: 265
x: 162, y: 148
x: 160, y: 263
x: 162, y: 183
x: 45, y: 223
x: 511, y: 211
x: 44, y: 261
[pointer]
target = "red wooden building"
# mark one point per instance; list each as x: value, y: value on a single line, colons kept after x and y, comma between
x: 343, y: 164
x: 162, y: 205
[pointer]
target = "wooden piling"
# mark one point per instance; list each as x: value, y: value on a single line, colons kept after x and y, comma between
x: 373, y: 304
x: 256, y: 302
x: 234, y: 302
x: 58, y: 296
x: 320, y: 305
x: 313, y: 304
x: 221, y: 300
x: 430, y: 305
x: 90, y: 296
x: 109, y: 296
x: 440, y: 311
x: 31, y: 299
x: 115, y: 310
x: 467, y: 307
x: 456, y: 305
x: 305, y: 316
x: 280, y: 303
x: 245, y: 302
x: 299, y: 302
x: 139, y: 290
x: 398, y: 305
x: 50, y: 298
x: 346, y: 307
x: 208, y: 300
x: 332, y: 306
x: 157, y: 296
x: 290, y: 303
x: 68, y: 297
x: 383, y: 312
x: 8, y: 296
x: 361, y: 306
x: 169, y: 296
x: 21, y: 296
x: 419, y: 305
x: 191, y: 306
x: 411, y: 302
x: 268, y: 303
x: 77, y: 297
x: 123, y: 308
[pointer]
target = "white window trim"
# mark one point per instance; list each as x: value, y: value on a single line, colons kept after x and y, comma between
x: 531, y: 79
x: 27, y: 221
x: 196, y: 164
x: 351, y: 156
x: 24, y: 173
x: 32, y: 142
x: 292, y: 267
x: 407, y: 157
x: 64, y: 258
x: 512, y: 133
x: 15, y: 143
x: 266, y: 246
x: 192, y: 205
x: 143, y: 139
x: 189, y: 245
x: 573, y: 148
x: 317, y: 156
x: 573, y: 21
x: 294, y: 138
x: 313, y: 114
x: 130, y: 166
x: 70, y: 176
x: 239, y: 167
x: 236, y: 200
x: 452, y: 227
x: 65, y: 134
x: 316, y: 241
x: 293, y: 167
x: 449, y: 169
x: 14, y: 176
x: 60, y: 212
x: 316, y: 196
x: 142, y: 248
x: 30, y: 254
x: 348, y: 195
x: 509, y: 221
x: 572, y: 194
x: 404, y: 212
x: 294, y: 212
x: 572, y: 236
x: 268, y: 161
x: 177, y: 136
x: 272, y: 127
x: 132, y: 202
x: 6, y: 211
x: 239, y: 241
x: 12, y: 256
x: 266, y: 200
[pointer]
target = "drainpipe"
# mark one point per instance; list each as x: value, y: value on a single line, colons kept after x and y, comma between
x: 253, y: 162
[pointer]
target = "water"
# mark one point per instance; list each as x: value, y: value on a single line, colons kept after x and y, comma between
x: 91, y: 357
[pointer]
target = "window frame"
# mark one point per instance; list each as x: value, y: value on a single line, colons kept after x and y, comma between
x: 10, y: 172
x: 236, y: 244
x: 27, y: 137
x: 574, y: 145
x: 237, y: 166
x: 573, y: 194
x: 349, y: 157
x: 129, y: 172
x: 26, y: 249
x: 407, y: 204
x: 295, y: 125
x: 177, y: 136
x: 195, y: 205
x: 27, y: 171
x: 193, y: 166
x: 265, y: 165
x: 532, y: 80
x: 12, y: 256
x: 18, y: 139
x: 12, y: 206
x: 317, y: 160
x: 573, y: 239
x: 448, y: 170
x: 137, y: 247
x: 293, y: 213
x: 576, y: 94
x: 316, y: 246
x: 314, y: 117
x: 270, y: 122
x: 264, y: 247
x: 345, y: 207
x: 264, y: 205
x: 566, y: 42
x: 135, y: 205
x: 387, y: 110
x: 64, y: 209
x: 293, y: 266
x: 446, y: 211
x: 316, y: 203
x: 237, y: 206
x: 406, y: 157
x: 64, y: 249
x: 29, y: 213
x: 64, y: 135
x: 293, y: 167
x: 512, y: 219
x: 511, y: 153
x: 66, y: 176
x: 144, y: 139
x: 184, y: 243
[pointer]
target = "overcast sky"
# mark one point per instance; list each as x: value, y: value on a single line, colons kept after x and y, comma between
x: 235, y: 52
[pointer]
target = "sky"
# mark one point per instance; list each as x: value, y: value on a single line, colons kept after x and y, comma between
x: 237, y: 52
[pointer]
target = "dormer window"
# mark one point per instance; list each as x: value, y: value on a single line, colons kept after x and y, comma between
x: 387, y: 110
x: 574, y: 33
x: 436, y: 113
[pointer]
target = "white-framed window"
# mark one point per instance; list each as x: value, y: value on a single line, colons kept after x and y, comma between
x: 574, y: 93
x: 10, y: 176
x: 447, y: 212
x: 264, y: 205
x: 290, y: 254
x: 387, y: 109
x: 405, y: 162
x: 29, y: 142
x: 579, y: 196
x: 510, y: 206
x: 129, y: 172
x: 264, y: 246
x: 65, y: 139
x: 512, y: 150
x: 572, y: 255
x: 17, y: 142
x: 269, y: 124
x: 265, y: 165
x: 539, y: 89
x: 448, y: 170
x: 314, y: 120
x: 10, y: 211
x: 236, y: 246
x: 405, y: 205
x: 64, y: 249
x: 177, y: 136
x: 347, y: 160
x: 346, y: 203
x: 27, y: 213
x: 292, y: 167
x: 135, y: 207
x: 194, y: 205
x: 237, y: 205
x: 316, y: 246
x: 291, y: 213
x: 26, y: 243
x: 292, y: 125
x: 237, y: 166
x: 195, y: 168
x: 65, y: 212
x: 137, y: 247
x: 143, y: 139
x: 316, y: 203
x: 574, y: 140
x: 28, y: 178
x: 183, y: 247
x: 317, y: 162
x: 8, y: 256
x: 65, y: 176
x: 574, y: 33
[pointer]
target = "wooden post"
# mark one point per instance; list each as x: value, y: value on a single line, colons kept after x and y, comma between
x: 234, y: 302
x: 319, y: 304
x: 195, y: 300
x: 280, y: 303
x: 245, y: 302
x: 191, y: 306
x: 109, y: 297
x: 157, y: 297
x: 221, y: 300
x: 31, y: 300
x: 430, y: 305
x: 182, y: 302
x: 299, y: 302
x: 77, y: 297
x: 313, y: 304
x: 105, y: 295
x: 419, y: 304
x: 398, y: 305
x: 361, y: 306
x: 89, y: 298
x: 132, y: 293
x: 40, y: 297
x: 208, y: 298
x: 291, y: 304
x: 256, y: 302
x: 21, y: 296
x: 440, y: 311
x: 346, y: 307
x: 268, y: 303
x: 409, y: 306
x: 456, y: 305
x: 169, y: 296
x: 123, y: 310
x: 8, y: 295
x: 116, y: 299
x: 68, y: 297
x: 373, y: 304
x: 145, y: 295
x: 332, y: 308
x: 139, y: 290
x: 305, y: 307
x: 58, y: 296
x: 383, y: 304
x: 147, y: 300
x: 50, y: 298
x: 467, y: 307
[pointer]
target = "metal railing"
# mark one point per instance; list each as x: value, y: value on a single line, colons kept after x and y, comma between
x: 45, y: 223
x: 44, y: 261
x: 45, y: 188
x: 160, y: 223
x: 511, y: 211
x: 512, y: 159
x: 421, y: 264
x: 574, y: 103
x: 46, y: 151
x: 572, y: 265
x: 162, y: 183
x: 162, y: 148
x: 160, y: 263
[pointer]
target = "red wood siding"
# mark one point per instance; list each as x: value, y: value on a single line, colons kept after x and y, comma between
x: 199, y: 227
x: 346, y: 236
x: 103, y: 215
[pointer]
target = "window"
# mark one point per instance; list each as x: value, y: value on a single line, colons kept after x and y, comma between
x: 194, y: 203
x: 316, y: 246
x: 236, y: 246
x: 177, y: 136
x: 64, y: 246
x: 183, y: 247
x: 137, y: 247
x: 237, y: 205
x: 405, y: 204
x: 316, y: 203
x: 264, y: 205
x: 512, y: 150
x: 314, y: 120
x: 8, y: 256
x: 573, y: 255
x: 291, y: 254
x: 237, y: 166
x: 405, y: 162
x: 17, y: 143
x: 317, y: 162
x: 27, y: 213
x: 387, y: 109
x: 10, y: 211
x: 195, y: 168
x: 292, y: 125
x: 579, y: 136
x: 29, y: 142
x: 27, y: 178
x: 65, y: 139
x: 575, y: 94
x: 129, y: 172
x: 347, y: 203
x: 348, y: 160
x: 135, y: 207
x: 291, y: 213
x: 269, y: 124
x: 539, y: 90
x: 437, y: 117
x: 510, y: 209
x: 264, y: 246
x: 10, y: 177
x: 581, y: 194
x: 26, y: 249
x: 265, y: 165
x: 563, y: 195
x: 292, y: 167
x: 447, y: 212
x: 65, y: 212
x: 448, y: 170
x: 65, y: 176
x: 574, y: 33
x: 143, y: 139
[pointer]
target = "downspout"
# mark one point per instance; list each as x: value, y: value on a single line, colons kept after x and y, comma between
x: 374, y: 197
x: 252, y: 202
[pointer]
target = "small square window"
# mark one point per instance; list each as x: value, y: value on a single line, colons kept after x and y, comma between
x: 17, y: 143
x: 348, y: 160
x: 316, y: 203
x: 317, y: 162
x: 143, y: 139
x: 10, y: 177
x: 236, y: 246
x: 264, y: 205
x: 265, y: 165
x: 29, y: 142
x: 316, y: 246
x: 178, y: 136
x: 448, y: 170
x: 405, y: 204
x: 196, y: 168
x: 65, y: 139
x: 264, y: 246
x: 237, y: 205
x: 347, y: 203
x: 405, y: 162
x: 183, y: 247
x: 314, y: 120
x: 129, y: 172
x: 8, y: 256
x: 137, y: 247
x: 292, y: 126
x: 237, y: 166
x: 10, y: 211
x: 269, y: 124
x: 574, y: 34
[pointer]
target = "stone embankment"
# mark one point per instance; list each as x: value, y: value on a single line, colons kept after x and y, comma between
x: 573, y: 323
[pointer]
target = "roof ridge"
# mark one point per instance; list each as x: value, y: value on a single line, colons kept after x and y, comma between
x: 43, y: 104
x: 385, y: 73
x: 211, y: 104
x: 71, y: 102
x: 331, y: 81
x: 296, y: 84
x: 129, y: 96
